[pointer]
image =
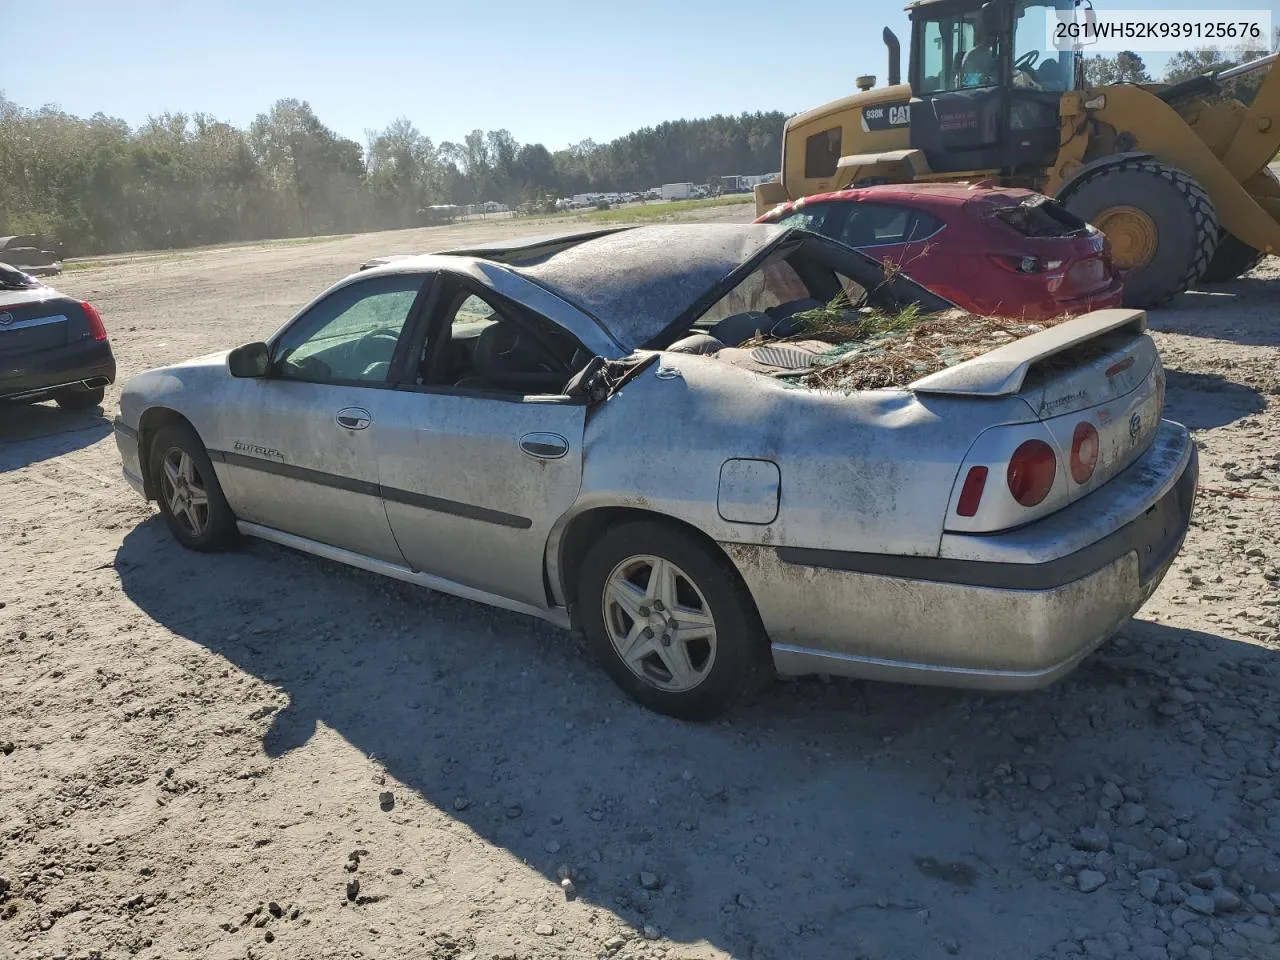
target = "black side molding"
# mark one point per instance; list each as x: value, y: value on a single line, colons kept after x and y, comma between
x: 407, y: 497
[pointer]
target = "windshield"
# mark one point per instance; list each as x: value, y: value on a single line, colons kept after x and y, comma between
x: 1036, y: 64
x: 964, y: 50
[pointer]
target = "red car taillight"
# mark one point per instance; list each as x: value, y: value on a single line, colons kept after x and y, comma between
x: 1084, y: 452
x: 96, y: 326
x: 1031, y: 472
x: 1024, y: 264
x: 975, y: 482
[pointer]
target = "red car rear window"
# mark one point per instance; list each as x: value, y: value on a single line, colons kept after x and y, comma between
x: 1041, y: 217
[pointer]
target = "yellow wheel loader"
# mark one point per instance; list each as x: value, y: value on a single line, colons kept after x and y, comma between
x: 1175, y: 175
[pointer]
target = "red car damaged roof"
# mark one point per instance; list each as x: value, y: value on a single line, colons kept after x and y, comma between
x: 927, y: 196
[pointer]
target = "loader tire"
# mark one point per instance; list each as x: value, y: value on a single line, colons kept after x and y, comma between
x: 1162, y: 226
x: 1232, y: 258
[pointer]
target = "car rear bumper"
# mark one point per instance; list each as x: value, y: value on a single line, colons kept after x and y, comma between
x: 1102, y: 299
x: 89, y: 363
x: 979, y: 617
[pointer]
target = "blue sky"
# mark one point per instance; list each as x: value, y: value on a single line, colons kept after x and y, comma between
x: 552, y: 72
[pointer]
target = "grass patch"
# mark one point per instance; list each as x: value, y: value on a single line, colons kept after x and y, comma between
x: 101, y: 262
x: 302, y: 241
x: 658, y: 211
x: 654, y: 210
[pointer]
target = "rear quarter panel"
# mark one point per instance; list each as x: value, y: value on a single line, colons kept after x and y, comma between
x: 870, y: 471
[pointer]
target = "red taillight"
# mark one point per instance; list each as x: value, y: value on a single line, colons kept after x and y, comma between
x: 1031, y: 472
x: 1119, y: 367
x: 1024, y: 264
x: 96, y: 326
x: 1084, y: 452
x: 971, y: 492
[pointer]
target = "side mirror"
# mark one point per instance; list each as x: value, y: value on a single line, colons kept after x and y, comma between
x: 250, y: 360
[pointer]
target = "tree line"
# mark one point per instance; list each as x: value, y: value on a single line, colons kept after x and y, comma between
x: 1128, y: 67
x: 98, y: 185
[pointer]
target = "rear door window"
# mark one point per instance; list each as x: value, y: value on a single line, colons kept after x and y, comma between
x: 770, y: 285
x: 877, y: 224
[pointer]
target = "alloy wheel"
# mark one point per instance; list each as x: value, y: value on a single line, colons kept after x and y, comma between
x: 184, y: 491
x: 659, y: 623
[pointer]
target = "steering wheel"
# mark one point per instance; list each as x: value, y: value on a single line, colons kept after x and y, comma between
x: 1027, y: 61
x: 310, y: 368
x: 380, y: 333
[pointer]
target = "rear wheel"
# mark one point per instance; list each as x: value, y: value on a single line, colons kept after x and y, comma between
x: 80, y: 399
x: 1232, y: 258
x: 671, y: 621
x: 1161, y: 224
x: 188, y: 491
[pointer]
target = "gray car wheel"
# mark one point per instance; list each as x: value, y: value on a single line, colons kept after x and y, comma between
x: 671, y: 621
x: 188, y: 491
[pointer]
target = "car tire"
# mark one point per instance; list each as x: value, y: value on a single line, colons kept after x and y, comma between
x: 1164, y: 215
x: 700, y: 676
x: 80, y: 399
x: 194, y: 507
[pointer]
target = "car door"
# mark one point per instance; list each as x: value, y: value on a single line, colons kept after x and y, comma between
x: 299, y: 444
x: 474, y: 471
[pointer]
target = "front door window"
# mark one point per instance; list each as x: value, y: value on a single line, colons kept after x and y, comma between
x: 957, y: 53
x: 350, y: 336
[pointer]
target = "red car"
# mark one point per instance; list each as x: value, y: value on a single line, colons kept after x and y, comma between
x: 991, y: 250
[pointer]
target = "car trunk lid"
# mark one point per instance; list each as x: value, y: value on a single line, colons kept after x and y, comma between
x: 32, y: 321
x: 1098, y: 374
x: 1054, y: 353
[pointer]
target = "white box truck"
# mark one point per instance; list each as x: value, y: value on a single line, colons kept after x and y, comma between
x: 677, y: 191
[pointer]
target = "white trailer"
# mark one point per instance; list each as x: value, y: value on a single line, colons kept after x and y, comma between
x: 677, y: 191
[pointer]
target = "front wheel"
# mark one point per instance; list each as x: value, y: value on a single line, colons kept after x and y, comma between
x: 188, y: 491
x: 671, y: 621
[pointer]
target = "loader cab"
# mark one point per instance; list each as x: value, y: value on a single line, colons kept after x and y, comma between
x: 987, y: 83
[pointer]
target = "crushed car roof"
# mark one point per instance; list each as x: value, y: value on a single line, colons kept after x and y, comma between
x: 637, y: 281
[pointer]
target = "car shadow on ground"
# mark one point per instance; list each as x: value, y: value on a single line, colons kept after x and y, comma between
x: 1202, y: 401
x: 1241, y: 311
x: 42, y: 431
x: 775, y: 833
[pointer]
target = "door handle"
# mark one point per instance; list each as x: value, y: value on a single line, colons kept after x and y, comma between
x: 544, y: 446
x: 353, y: 418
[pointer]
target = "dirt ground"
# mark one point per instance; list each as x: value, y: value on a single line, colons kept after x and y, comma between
x: 196, y: 752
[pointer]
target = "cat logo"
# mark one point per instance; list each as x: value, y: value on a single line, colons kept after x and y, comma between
x: 886, y: 116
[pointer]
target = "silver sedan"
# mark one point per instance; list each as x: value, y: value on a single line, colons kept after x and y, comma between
x: 585, y: 429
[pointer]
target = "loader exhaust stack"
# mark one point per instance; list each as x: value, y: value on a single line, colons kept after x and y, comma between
x: 895, y: 56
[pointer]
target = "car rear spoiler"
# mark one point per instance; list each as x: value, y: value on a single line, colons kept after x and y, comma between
x: 1002, y: 371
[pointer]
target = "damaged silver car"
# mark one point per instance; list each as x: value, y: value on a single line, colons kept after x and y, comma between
x: 607, y: 430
